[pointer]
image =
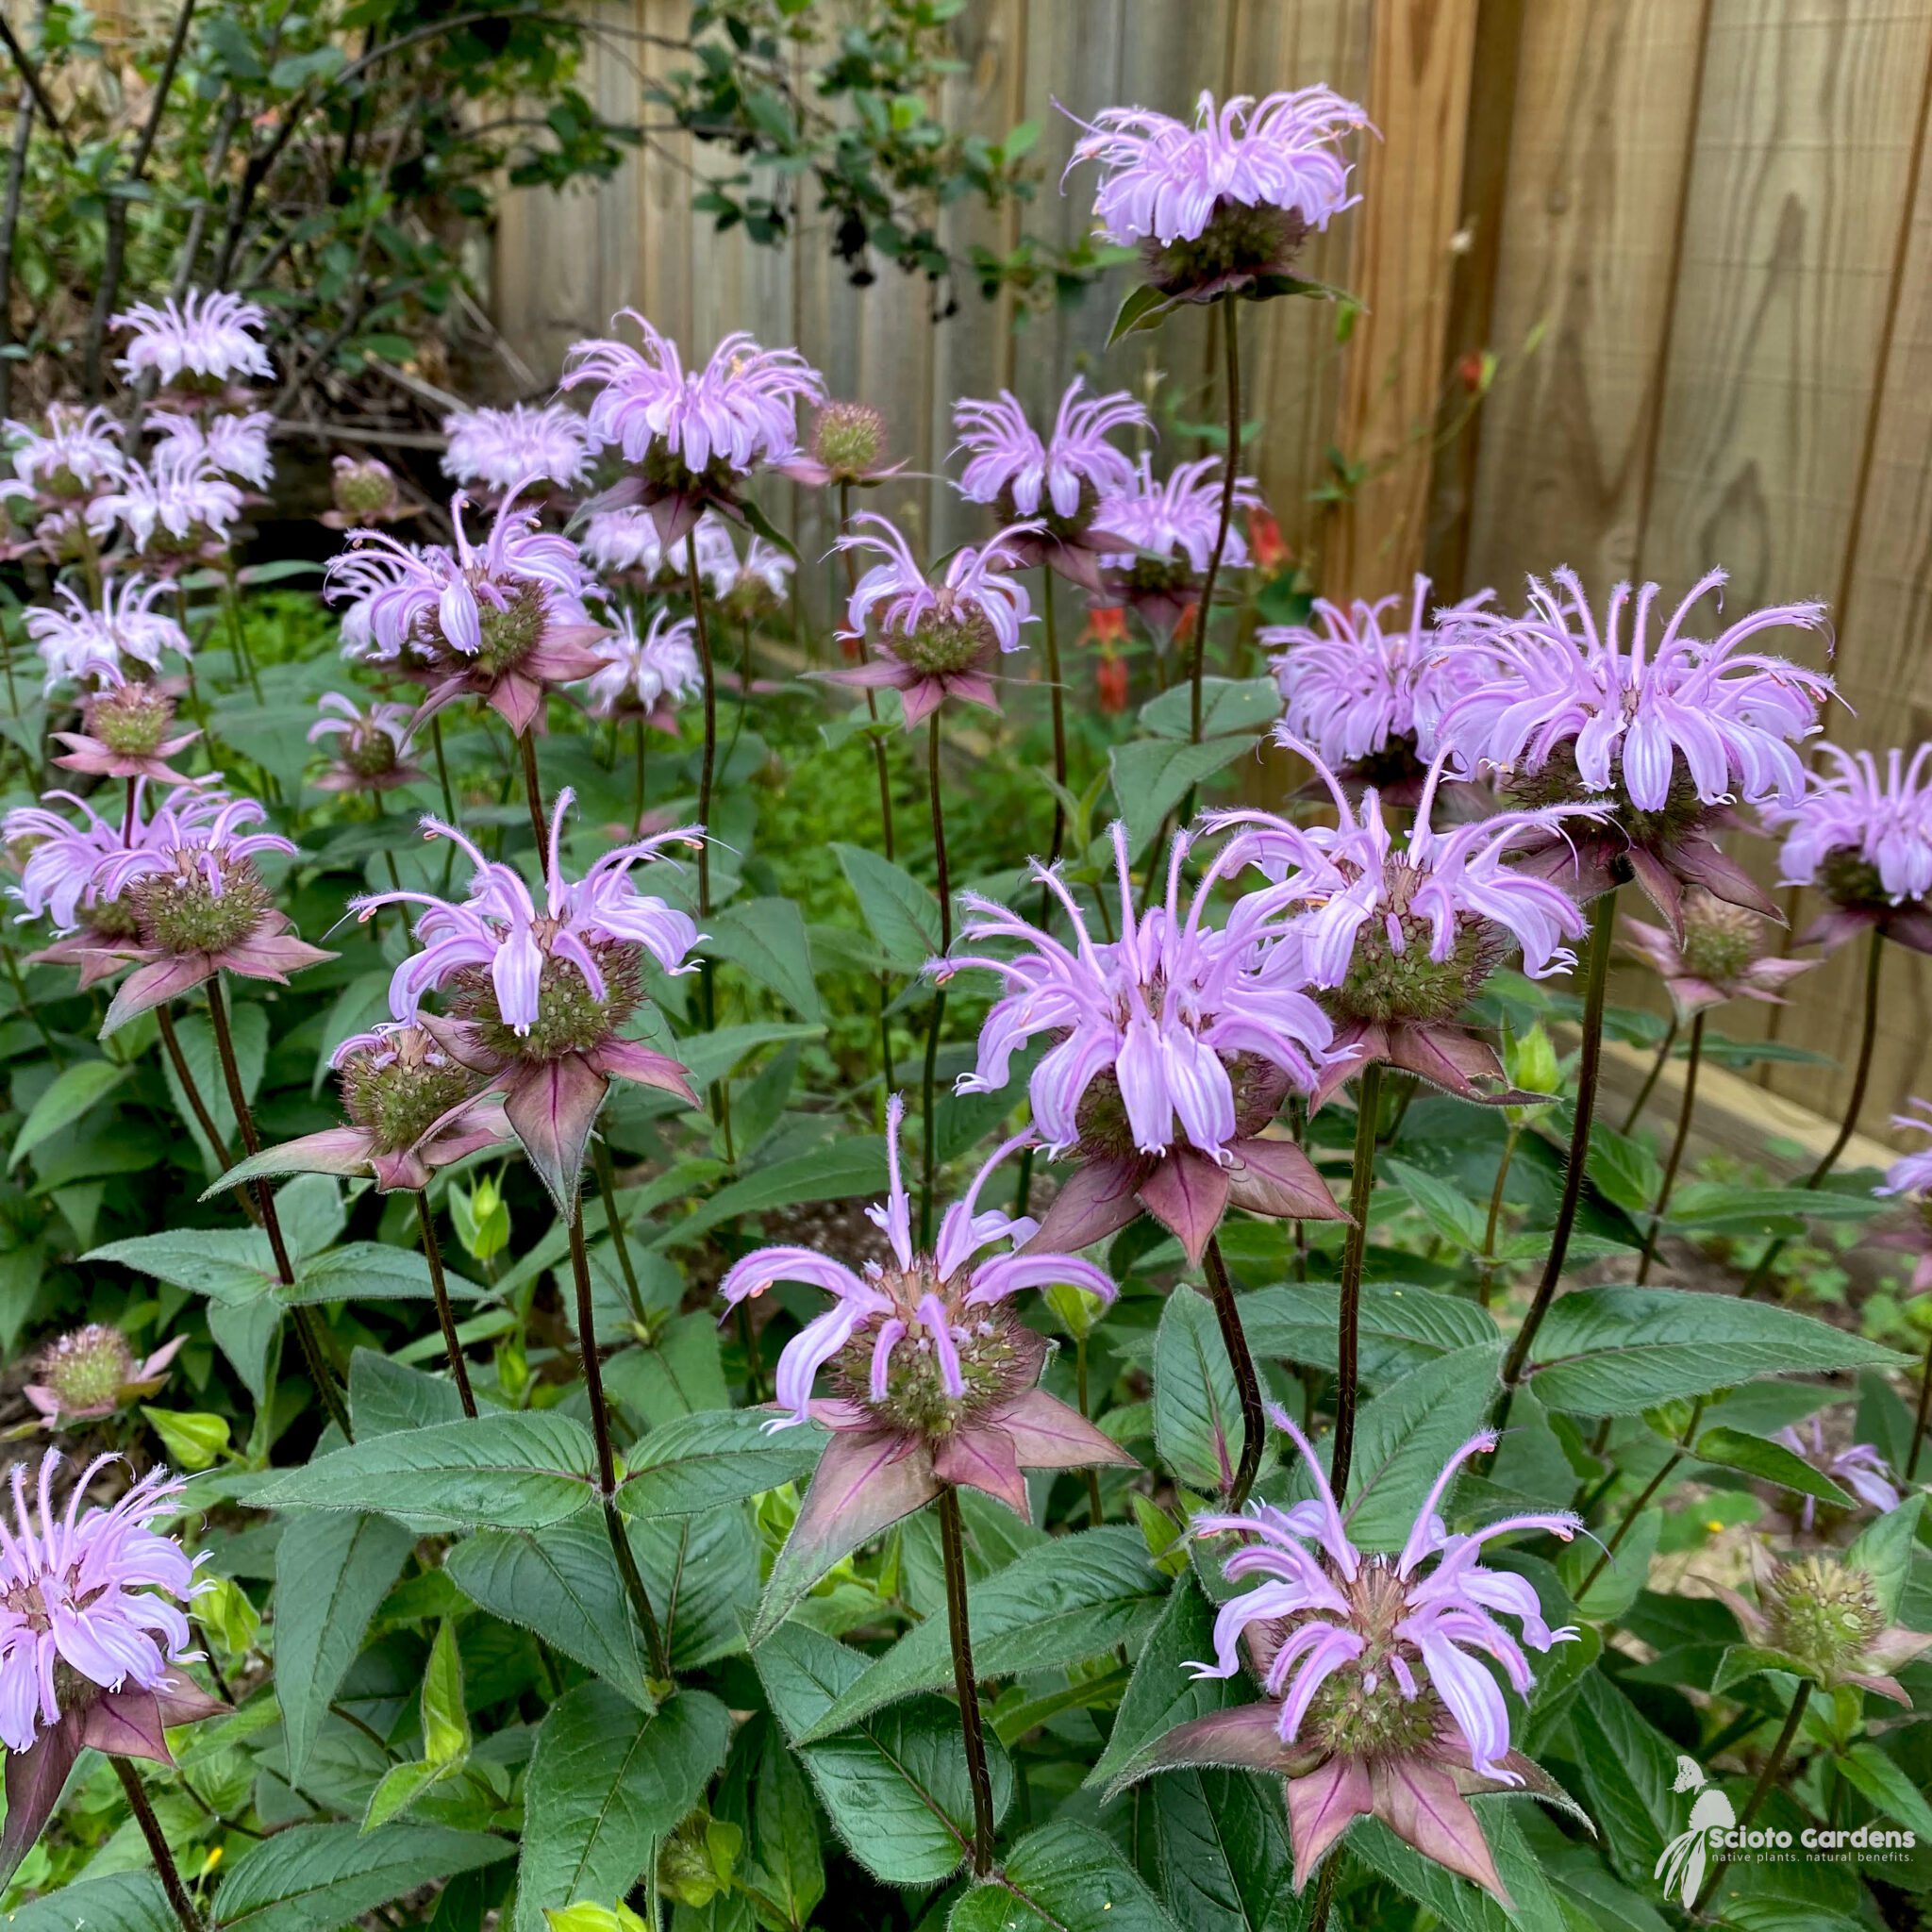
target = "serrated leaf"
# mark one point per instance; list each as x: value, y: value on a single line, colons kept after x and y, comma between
x: 370, y: 1270
x: 1061, y: 1603
x: 1399, y: 1329
x: 74, y: 1092
x: 1707, y: 1207
x: 767, y: 939
x: 1221, y: 1842
x: 836, y: 1172
x: 696, y: 1462
x: 1623, y: 1169
x: 1143, y: 309
x: 1883, y: 1548
x: 894, y: 1786
x: 902, y: 915
x: 332, y: 1573
x: 1771, y: 1462
x: 1151, y: 777
x: 496, y: 1472
x: 606, y: 1784
x: 1629, y: 1768
x: 1228, y: 704
x: 318, y: 1877
x: 1197, y: 1418
x: 232, y: 1266
x: 1453, y: 1216
x: 114, y: 1902
x: 1888, y: 1785
x: 1063, y: 1878
x: 1617, y: 1351
x: 1162, y: 1693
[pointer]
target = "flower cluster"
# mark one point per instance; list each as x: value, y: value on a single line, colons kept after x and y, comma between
x: 200, y: 345
x: 645, y: 676
x: 518, y: 448
x: 1168, y: 529
x: 78, y: 644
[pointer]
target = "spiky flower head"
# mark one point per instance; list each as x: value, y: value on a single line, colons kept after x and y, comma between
x: 90, y: 1372
x: 175, y: 508
x: 1168, y: 527
x: 77, y: 453
x: 1862, y: 835
x: 937, y: 639
x: 205, y: 341
x: 695, y: 434
x: 935, y: 1375
x: 1367, y: 692
x: 124, y: 731
x: 518, y: 448
x: 236, y: 446
x: 847, y: 447
x: 651, y: 674
x: 61, y: 877
x: 1667, y: 728
x: 1719, y: 956
x: 78, y: 642
x: 372, y: 747
x: 1174, y: 1045
x: 1219, y: 204
x: 503, y: 619
x: 1376, y: 1700
x: 760, y: 583
x: 364, y: 492
x: 540, y: 994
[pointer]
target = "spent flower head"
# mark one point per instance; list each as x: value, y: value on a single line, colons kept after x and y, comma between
x: 1719, y: 956
x: 1225, y: 205
x: 125, y: 732
x: 91, y: 1371
x: 364, y: 492
x: 847, y: 447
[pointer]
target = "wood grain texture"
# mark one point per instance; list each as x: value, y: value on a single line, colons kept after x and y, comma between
x: 1419, y: 84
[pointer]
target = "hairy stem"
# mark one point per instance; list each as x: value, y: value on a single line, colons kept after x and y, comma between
x: 1862, y: 1076
x: 303, y: 1316
x: 1486, y: 1279
x: 178, y: 1900
x: 1919, y: 1421
x: 606, y: 1460
x: 1651, y: 1078
x: 533, y: 794
x: 1767, y: 1782
x: 972, y: 1733
x: 1603, y: 920
x: 1361, y: 1183
x: 636, y: 805
x: 445, y: 1315
x: 1686, y: 1108
x: 707, y: 772
x: 607, y: 1186
x: 1230, y: 336
x: 1642, y: 1501
x: 872, y: 703
x: 171, y: 1044
x: 1080, y: 1396
x: 1247, y: 1380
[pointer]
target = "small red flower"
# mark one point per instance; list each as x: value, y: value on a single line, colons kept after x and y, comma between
x: 1265, y: 543
x: 1111, y: 681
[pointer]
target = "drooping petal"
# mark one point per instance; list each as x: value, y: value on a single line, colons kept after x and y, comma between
x: 1322, y: 1804
x: 551, y: 1106
x: 1418, y: 1801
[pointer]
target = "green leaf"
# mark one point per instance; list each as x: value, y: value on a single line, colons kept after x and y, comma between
x: 1221, y: 1839
x: 1629, y: 1768
x: 1400, y: 1327
x: 1063, y: 1877
x: 1617, y: 1351
x: 400, y: 1786
x: 1884, y: 1549
x: 1617, y: 1585
x: 1151, y: 777
x: 248, y: 1025
x: 1885, y: 1782
x: 232, y: 1266
x: 1061, y: 1603
x: 678, y: 1373
x: 902, y: 915
x: 767, y: 939
x: 1143, y: 308
x: 836, y: 1172
x: 1708, y: 1208
x: 74, y: 1093
x: 115, y: 1902
x: 1770, y: 1461
x: 1453, y: 1216
x: 495, y: 1472
x: 699, y: 1462
x: 1625, y: 1171
x: 894, y: 1786
x: 784, y: 1868
x: 193, y: 1441
x: 1407, y: 1432
x: 1454, y: 1903
x: 1197, y: 1418
x: 1742, y: 1661
x: 1162, y: 1693
x: 370, y: 1272
x: 607, y: 1782
x: 1228, y: 704
x: 445, y: 1718
x: 564, y: 1586
x: 332, y: 1573
x: 319, y: 1877
x: 385, y: 1396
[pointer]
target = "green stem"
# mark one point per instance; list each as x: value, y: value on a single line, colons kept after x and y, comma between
x: 1057, y: 697
x: 1767, y: 1780
x: 171, y: 1045
x: 178, y: 1900
x: 237, y: 634
x: 1693, y: 1060
x: 1919, y: 1421
x: 1486, y: 1279
x: 1361, y: 1183
x: 606, y: 1460
x: 533, y: 796
x: 1642, y: 1502
x: 445, y: 1315
x: 607, y: 1186
x: 1093, y: 1510
x: 1650, y: 1079
x: 1230, y: 337
x: 708, y: 773
x: 972, y: 1730
x: 636, y: 811
x: 1247, y: 1381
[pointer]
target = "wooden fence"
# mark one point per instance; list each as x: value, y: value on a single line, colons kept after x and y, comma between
x: 1696, y: 233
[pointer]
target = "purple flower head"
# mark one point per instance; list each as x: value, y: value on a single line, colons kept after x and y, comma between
x: 539, y: 993
x: 175, y: 509
x: 93, y: 1635
x: 1859, y: 1466
x: 78, y: 644
x: 513, y: 449
x: 936, y: 639
x: 1862, y: 835
x: 759, y: 583
x: 1400, y: 938
x: 205, y: 342
x: 1053, y: 484
x: 1719, y: 956
x: 199, y: 905
x: 1668, y: 729
x: 372, y: 748
x: 648, y: 675
x: 624, y: 544
x: 124, y: 731
x: 502, y: 620
x: 1375, y: 1700
x: 1367, y: 695
x: 234, y: 446
x: 59, y: 879
x: 1168, y: 529
x: 90, y: 1372
x: 1229, y: 200
x: 695, y: 434
x: 1174, y: 1045
x: 935, y: 1373
x: 77, y: 453
x: 1910, y: 1173
x: 1911, y: 1176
